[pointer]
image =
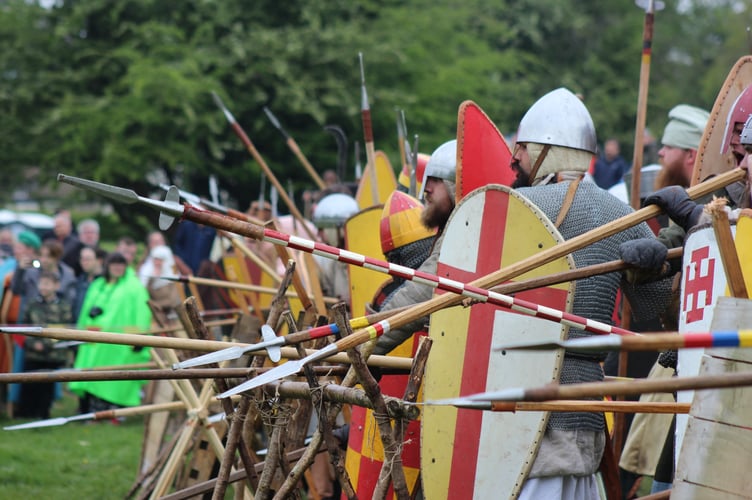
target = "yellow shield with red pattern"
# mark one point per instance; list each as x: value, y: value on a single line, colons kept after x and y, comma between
x: 480, y: 454
x: 378, y: 181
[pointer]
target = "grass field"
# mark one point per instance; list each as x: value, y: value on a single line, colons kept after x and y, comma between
x: 76, y: 460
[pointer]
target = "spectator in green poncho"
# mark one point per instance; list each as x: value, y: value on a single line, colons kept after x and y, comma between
x: 114, y: 302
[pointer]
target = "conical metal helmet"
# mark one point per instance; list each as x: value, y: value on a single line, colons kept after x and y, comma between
x: 559, y: 118
x: 442, y: 164
x: 746, y: 137
x: 400, y: 222
x: 333, y: 210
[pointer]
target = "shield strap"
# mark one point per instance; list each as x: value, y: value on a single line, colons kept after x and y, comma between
x: 567, y: 204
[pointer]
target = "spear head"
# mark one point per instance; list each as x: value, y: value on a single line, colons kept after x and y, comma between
x: 169, y: 208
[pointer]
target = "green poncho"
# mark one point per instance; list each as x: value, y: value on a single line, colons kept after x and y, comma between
x: 124, y: 309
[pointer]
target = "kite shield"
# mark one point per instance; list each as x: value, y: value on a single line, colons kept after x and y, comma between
x: 710, y: 161
x: 483, y: 156
x: 481, y: 454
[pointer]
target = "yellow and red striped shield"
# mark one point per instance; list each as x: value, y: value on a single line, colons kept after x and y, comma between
x: 471, y: 453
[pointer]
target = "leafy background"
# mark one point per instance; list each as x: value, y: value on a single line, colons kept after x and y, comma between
x: 119, y: 90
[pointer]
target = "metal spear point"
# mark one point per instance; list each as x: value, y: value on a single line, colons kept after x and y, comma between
x: 290, y: 368
x: 169, y: 209
x: 50, y: 422
x: 275, y: 122
x: 599, y: 343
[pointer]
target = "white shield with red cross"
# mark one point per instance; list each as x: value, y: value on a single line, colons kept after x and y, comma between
x: 480, y: 454
x: 703, y: 281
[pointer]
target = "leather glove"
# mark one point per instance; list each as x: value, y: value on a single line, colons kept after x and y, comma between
x: 645, y: 253
x: 677, y: 204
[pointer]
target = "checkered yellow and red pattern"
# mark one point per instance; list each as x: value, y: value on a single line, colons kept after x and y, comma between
x: 365, y: 452
x: 400, y: 222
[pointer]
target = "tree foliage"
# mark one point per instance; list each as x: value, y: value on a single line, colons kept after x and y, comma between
x: 119, y: 91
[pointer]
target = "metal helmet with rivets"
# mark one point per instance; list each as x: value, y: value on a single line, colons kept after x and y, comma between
x: 559, y: 118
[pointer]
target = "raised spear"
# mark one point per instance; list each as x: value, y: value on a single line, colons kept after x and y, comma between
x: 256, y: 156
x: 295, y: 149
x: 475, y: 291
x: 650, y: 6
x: 645, y: 342
x: 365, y: 116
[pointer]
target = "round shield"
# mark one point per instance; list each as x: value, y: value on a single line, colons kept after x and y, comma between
x: 478, y: 454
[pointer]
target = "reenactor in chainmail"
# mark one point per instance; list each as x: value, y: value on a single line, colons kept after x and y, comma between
x: 555, y: 144
x: 438, y: 190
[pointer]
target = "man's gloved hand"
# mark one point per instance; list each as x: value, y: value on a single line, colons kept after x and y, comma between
x: 677, y: 204
x: 645, y: 253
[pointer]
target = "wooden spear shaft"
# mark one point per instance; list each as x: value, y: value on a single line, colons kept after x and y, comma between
x: 592, y: 406
x: 634, y: 388
x: 642, y: 103
x: 241, y: 286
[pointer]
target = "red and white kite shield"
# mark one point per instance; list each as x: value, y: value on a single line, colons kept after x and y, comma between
x: 483, y: 156
x: 471, y: 453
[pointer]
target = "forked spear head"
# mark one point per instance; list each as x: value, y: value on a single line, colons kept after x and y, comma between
x: 168, y: 209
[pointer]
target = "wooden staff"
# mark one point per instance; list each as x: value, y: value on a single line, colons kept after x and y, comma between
x: 267, y: 171
x: 295, y: 149
x: 729, y: 257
